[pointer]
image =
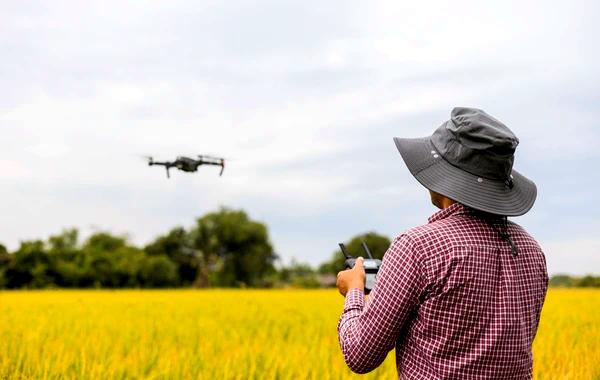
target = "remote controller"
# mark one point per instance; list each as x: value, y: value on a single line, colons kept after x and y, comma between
x: 371, y: 265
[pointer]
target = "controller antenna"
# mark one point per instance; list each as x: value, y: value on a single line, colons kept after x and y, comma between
x: 366, y: 249
x: 344, y: 251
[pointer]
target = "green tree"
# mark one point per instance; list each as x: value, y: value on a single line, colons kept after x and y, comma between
x: 29, y: 267
x: 38, y: 264
x: 178, y: 246
x: 158, y: 272
x: 65, y: 255
x: 567, y: 281
x: 235, y: 250
x: 5, y: 262
x: 588, y: 281
x: 378, y: 245
x: 104, y: 241
x: 561, y: 280
x: 67, y: 241
x: 109, y: 261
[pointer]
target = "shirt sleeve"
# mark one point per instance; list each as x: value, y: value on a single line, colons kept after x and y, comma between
x: 368, y: 330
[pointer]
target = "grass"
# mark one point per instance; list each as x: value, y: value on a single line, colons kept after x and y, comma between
x: 233, y: 334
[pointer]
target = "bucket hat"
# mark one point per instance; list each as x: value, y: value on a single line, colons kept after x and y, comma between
x: 469, y: 159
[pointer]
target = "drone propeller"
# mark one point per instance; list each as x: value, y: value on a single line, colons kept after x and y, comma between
x: 146, y: 157
x: 210, y: 157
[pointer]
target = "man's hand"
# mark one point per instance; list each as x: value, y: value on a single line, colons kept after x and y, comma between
x: 352, y: 278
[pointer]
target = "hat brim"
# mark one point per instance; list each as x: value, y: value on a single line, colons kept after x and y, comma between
x: 438, y: 175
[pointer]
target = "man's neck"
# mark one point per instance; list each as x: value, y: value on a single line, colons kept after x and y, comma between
x: 440, y: 201
x: 446, y: 202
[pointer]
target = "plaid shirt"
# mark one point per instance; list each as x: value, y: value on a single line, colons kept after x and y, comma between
x: 453, y: 300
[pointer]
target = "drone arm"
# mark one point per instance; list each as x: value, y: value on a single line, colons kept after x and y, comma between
x: 207, y: 160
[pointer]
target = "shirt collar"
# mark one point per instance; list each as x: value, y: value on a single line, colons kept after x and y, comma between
x: 454, y: 209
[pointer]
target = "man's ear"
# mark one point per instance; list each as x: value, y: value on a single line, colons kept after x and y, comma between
x: 435, y: 199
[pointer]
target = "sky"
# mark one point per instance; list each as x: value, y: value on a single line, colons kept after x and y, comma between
x: 303, y: 98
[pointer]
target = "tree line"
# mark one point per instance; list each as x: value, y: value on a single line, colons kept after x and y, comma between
x: 225, y: 248
x: 567, y: 281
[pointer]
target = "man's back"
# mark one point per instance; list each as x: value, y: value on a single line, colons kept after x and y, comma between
x: 456, y: 300
x: 480, y: 311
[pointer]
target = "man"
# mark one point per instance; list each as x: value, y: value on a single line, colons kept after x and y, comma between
x: 459, y: 297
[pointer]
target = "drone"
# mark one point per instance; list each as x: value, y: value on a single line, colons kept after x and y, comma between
x: 187, y: 164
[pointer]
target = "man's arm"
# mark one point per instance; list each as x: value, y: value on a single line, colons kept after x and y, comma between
x: 367, y: 331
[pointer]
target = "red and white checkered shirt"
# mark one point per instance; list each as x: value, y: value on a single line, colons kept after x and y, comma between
x: 453, y: 300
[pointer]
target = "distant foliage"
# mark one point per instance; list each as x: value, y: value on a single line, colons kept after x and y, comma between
x: 299, y: 275
x: 566, y: 281
x: 224, y: 248
x: 103, y: 260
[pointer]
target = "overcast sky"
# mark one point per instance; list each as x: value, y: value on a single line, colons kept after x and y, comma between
x: 305, y: 98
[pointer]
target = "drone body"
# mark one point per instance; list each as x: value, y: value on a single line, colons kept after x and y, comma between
x: 189, y: 165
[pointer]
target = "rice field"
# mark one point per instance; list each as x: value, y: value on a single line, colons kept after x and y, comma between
x: 233, y: 334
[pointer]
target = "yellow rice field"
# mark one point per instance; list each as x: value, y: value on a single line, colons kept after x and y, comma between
x: 233, y: 334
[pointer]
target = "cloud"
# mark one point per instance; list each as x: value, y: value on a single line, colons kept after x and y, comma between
x: 11, y: 169
x: 48, y: 149
x: 578, y: 256
x: 303, y: 97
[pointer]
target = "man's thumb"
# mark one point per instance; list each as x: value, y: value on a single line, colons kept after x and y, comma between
x: 359, y: 263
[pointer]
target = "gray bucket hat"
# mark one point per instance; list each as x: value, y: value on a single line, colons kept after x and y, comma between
x: 469, y: 159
